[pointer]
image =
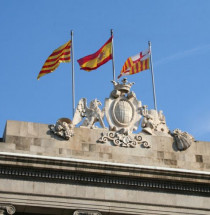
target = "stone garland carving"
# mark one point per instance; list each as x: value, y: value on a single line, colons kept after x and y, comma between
x: 10, y: 209
x: 120, y: 139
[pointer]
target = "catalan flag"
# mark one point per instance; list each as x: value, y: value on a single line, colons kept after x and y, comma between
x: 60, y: 55
x: 136, y: 64
x: 93, y: 61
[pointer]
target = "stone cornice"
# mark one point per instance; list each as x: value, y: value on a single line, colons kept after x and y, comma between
x: 104, y: 178
x: 114, y: 169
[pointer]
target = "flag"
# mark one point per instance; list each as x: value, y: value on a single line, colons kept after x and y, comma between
x: 136, y: 63
x: 60, y: 55
x: 93, y: 61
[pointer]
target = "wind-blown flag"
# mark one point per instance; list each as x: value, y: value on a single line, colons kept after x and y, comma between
x: 93, y: 61
x: 60, y: 55
x: 136, y: 64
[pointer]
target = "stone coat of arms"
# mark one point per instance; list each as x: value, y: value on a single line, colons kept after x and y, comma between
x: 123, y: 113
x: 122, y: 109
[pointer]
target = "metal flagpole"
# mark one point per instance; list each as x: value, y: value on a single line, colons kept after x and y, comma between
x: 153, y: 80
x: 113, y: 56
x: 72, y: 63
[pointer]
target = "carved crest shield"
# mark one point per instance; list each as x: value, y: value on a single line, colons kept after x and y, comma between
x: 122, y: 108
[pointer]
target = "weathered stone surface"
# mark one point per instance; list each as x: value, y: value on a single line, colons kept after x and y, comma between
x: 81, y: 174
x: 36, y: 139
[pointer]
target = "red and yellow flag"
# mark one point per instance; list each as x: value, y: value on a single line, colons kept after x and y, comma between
x: 136, y: 64
x: 97, y: 59
x: 60, y: 55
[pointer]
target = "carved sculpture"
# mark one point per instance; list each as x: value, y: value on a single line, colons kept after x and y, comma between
x: 91, y: 114
x: 183, y: 140
x: 123, y: 113
x: 122, y: 109
x: 153, y: 122
x: 63, y: 128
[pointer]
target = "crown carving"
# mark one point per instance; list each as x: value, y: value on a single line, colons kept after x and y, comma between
x: 124, y: 87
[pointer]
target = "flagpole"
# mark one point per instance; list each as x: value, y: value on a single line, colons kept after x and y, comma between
x: 152, y: 73
x: 72, y: 63
x: 113, y: 56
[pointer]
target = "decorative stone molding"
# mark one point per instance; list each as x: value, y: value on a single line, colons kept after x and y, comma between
x: 147, y: 145
x: 121, y: 139
x: 84, y: 212
x: 7, y: 209
x: 106, y: 180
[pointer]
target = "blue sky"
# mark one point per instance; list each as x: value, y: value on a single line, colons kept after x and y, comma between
x: 180, y: 35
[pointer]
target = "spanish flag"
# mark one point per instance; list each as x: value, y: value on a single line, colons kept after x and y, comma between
x: 60, y: 55
x: 136, y: 64
x: 93, y: 61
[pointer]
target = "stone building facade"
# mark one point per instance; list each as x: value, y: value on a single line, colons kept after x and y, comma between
x: 44, y: 174
x: 67, y: 170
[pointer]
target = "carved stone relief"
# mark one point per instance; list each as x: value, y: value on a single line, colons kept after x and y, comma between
x: 7, y: 209
x: 154, y: 122
x: 92, y: 114
x: 123, y: 113
x: 183, y: 140
x: 84, y: 212
x: 124, y: 140
x: 63, y: 128
x: 122, y: 108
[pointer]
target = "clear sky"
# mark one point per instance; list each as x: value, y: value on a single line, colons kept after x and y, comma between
x: 180, y: 35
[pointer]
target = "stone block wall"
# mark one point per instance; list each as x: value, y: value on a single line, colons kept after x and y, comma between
x: 36, y: 139
x: 118, y: 184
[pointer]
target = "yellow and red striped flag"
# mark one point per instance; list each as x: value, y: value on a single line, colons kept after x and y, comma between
x: 93, y: 61
x: 136, y: 64
x: 60, y: 55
